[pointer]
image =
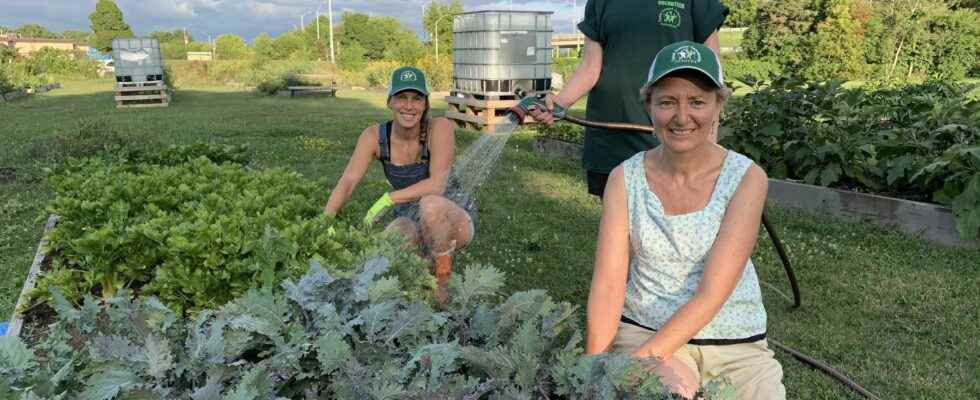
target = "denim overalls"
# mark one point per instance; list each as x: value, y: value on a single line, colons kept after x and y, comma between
x: 402, y: 176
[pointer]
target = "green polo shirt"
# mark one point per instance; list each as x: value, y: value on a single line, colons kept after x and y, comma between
x: 631, y: 32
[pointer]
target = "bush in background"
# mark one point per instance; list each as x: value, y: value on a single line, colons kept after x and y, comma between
x: 439, y: 72
x: 747, y: 70
x: 565, y: 66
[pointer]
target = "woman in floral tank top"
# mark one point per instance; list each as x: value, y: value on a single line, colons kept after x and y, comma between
x: 673, y: 281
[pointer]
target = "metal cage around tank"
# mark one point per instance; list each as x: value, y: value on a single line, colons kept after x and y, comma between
x: 137, y: 60
x: 495, y: 52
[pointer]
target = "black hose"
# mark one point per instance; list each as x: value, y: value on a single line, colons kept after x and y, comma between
x: 781, y: 250
x: 824, y: 368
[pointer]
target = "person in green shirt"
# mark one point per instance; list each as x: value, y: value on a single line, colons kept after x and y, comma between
x: 621, y: 39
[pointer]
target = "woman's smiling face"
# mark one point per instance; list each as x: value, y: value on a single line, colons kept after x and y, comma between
x: 408, y: 107
x: 684, y: 111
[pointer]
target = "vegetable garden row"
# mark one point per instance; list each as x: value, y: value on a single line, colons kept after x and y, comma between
x: 913, y: 141
x: 187, y: 273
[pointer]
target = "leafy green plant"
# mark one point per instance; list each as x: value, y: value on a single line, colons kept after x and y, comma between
x: 326, y: 337
x: 913, y: 141
x: 196, y: 233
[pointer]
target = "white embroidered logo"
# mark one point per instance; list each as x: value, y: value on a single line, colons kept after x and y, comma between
x: 686, y: 54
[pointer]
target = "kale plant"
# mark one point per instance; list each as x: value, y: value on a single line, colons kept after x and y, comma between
x: 325, y: 337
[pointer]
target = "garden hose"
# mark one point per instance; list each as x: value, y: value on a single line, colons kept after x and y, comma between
x: 528, y: 101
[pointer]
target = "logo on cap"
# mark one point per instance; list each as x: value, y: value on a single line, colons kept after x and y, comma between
x: 408, y: 76
x: 686, y: 54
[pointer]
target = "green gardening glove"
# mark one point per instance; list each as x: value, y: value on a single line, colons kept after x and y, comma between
x: 378, y: 208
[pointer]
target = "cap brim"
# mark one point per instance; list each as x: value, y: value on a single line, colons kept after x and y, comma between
x: 720, y: 85
x: 415, y: 89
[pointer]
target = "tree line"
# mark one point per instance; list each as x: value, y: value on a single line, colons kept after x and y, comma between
x: 862, y: 39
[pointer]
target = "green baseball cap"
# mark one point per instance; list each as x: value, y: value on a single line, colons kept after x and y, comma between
x: 686, y: 55
x: 408, y: 78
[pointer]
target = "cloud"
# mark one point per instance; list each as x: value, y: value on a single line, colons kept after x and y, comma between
x: 248, y: 18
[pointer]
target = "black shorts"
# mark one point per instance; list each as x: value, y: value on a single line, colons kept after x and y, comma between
x: 596, y: 182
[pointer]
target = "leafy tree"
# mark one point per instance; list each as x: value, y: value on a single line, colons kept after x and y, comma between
x: 438, y: 18
x: 264, y: 47
x: 406, y: 49
x: 967, y: 4
x: 199, y: 46
x: 289, y: 43
x: 177, y: 35
x: 956, y: 44
x: 836, y: 47
x: 741, y: 12
x: 7, y: 54
x: 36, y: 31
x: 231, y: 47
x: 107, y: 24
x: 779, y: 33
x: 173, y: 50
x: 351, y: 57
x: 81, y: 37
x: 377, y: 36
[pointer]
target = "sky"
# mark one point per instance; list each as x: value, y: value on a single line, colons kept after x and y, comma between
x: 248, y: 18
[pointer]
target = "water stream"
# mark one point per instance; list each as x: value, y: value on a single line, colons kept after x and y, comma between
x: 472, y: 168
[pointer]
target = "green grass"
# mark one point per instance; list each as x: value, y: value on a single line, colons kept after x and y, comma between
x: 730, y: 39
x: 897, y: 314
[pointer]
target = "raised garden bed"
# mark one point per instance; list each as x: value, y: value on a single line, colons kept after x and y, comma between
x: 17, y: 320
x: 14, y: 95
x: 929, y: 221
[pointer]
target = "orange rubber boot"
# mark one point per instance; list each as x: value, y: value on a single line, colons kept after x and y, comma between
x: 443, y: 269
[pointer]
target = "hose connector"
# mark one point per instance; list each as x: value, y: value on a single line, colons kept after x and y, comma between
x: 529, y: 101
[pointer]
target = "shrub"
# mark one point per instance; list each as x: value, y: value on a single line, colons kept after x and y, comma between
x: 378, y: 73
x: 61, y: 63
x: 957, y: 45
x: 747, y: 70
x: 195, y: 234
x: 327, y: 337
x: 6, y: 83
x: 565, y: 66
x: 439, y: 72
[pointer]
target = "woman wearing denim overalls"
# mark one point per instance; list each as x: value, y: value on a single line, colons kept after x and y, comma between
x: 417, y: 154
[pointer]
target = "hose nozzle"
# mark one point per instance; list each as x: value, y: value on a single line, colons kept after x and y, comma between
x: 530, y: 101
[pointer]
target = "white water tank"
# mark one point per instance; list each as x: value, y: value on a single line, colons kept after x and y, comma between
x: 494, y: 52
x: 137, y: 60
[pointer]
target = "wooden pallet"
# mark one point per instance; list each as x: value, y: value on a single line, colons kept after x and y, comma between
x: 141, y: 94
x: 468, y: 111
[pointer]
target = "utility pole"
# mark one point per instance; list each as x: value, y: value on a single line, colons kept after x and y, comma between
x: 318, y: 21
x: 330, y: 17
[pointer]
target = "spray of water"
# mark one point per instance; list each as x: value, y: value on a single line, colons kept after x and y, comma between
x: 476, y: 163
x: 474, y: 166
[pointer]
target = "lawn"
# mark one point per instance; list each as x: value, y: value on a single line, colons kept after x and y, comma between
x: 897, y: 314
x: 729, y: 39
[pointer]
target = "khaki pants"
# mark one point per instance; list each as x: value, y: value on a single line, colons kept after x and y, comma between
x: 749, y: 367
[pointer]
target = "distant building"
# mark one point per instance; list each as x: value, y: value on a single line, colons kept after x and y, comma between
x: 26, y: 46
x: 199, y: 56
x: 567, y: 44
